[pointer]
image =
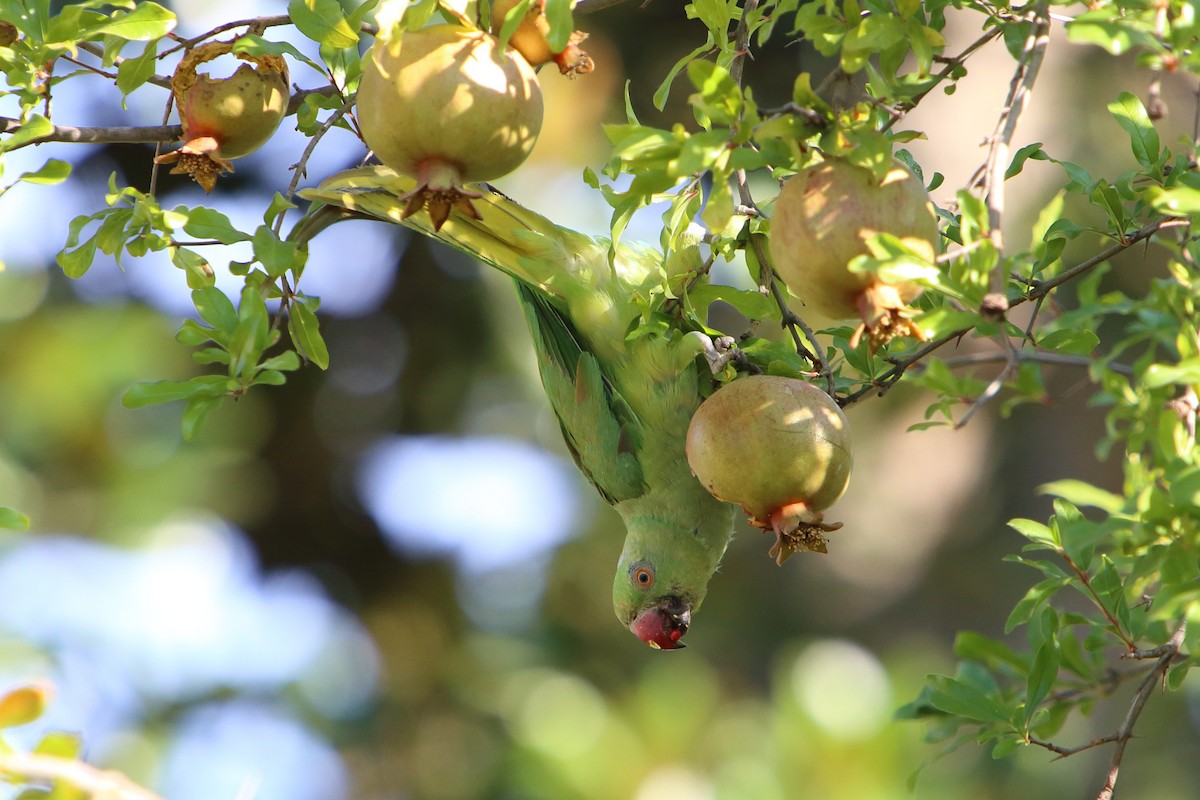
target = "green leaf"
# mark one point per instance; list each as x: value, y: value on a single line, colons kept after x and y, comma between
x: 1103, y: 28
x: 964, y: 700
x: 323, y: 21
x: 558, y: 15
x: 664, y: 89
x: 1042, y: 677
x: 286, y: 361
x: 195, y: 412
x: 146, y: 21
x: 75, y: 263
x: 1143, y: 138
x: 153, y: 393
x: 1027, y: 152
x: 255, y: 45
x: 1036, y: 532
x: 1006, y: 746
x: 750, y: 303
x: 251, y: 336
x: 306, y: 334
x: 1080, y: 493
x: 52, y: 172
x: 216, y: 309
x: 13, y: 520
x: 719, y: 95
x: 1034, y: 598
x: 276, y: 256
x: 972, y: 646
x: 33, y: 128
x: 1184, y: 373
x: 208, y: 223
x: 1109, y: 587
x: 60, y: 744
x: 134, y: 72
x: 1075, y: 342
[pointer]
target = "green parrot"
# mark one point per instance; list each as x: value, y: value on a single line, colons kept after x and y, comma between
x: 623, y: 365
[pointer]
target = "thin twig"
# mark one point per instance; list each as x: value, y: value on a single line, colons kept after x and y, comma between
x: 592, y: 6
x: 951, y: 65
x: 1125, y: 732
x: 888, y: 379
x: 254, y: 22
x: 1063, y: 752
x: 1042, y: 288
x: 993, y: 388
x: 98, y: 51
x: 94, y: 782
x: 767, y: 282
x: 1019, y: 94
x: 1087, y: 584
x: 1032, y: 355
x: 299, y: 169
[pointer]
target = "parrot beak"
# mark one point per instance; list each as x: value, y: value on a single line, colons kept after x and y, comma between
x: 662, y: 626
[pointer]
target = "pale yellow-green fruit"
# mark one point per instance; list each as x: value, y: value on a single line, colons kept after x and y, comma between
x: 823, y: 218
x: 778, y: 447
x: 447, y: 106
x: 225, y: 118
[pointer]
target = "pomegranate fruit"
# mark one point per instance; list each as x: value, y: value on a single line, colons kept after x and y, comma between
x: 778, y: 447
x: 823, y: 218
x: 447, y: 106
x: 225, y: 118
x: 531, y: 39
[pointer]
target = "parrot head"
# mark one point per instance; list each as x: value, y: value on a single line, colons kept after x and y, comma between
x: 662, y: 578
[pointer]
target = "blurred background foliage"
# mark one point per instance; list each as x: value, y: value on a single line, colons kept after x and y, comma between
x: 386, y: 581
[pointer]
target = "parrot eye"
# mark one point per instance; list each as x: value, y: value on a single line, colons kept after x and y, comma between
x: 642, y: 574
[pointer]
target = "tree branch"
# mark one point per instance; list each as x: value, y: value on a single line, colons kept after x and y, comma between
x: 766, y: 279
x: 94, y: 782
x: 1169, y: 649
x: 126, y: 134
x: 1040, y: 289
x: 1032, y: 355
x: 1019, y: 94
x: 592, y: 6
x: 888, y: 379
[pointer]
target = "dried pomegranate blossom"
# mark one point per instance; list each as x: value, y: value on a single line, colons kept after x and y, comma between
x: 225, y: 118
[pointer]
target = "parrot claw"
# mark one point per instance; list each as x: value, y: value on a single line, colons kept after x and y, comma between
x: 719, y: 352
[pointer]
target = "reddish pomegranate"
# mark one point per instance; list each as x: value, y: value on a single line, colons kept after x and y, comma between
x: 225, y: 118
x: 447, y: 106
x: 531, y: 39
x: 823, y: 218
x: 778, y: 447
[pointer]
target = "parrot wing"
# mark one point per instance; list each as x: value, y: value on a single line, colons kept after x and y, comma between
x: 597, y: 424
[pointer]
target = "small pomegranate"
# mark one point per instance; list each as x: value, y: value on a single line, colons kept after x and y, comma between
x: 225, y: 118
x: 778, y: 447
x: 823, y: 218
x: 531, y: 39
x: 447, y: 106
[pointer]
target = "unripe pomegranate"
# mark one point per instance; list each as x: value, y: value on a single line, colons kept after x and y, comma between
x: 823, y: 218
x: 225, y: 118
x: 447, y: 106
x: 778, y: 447
x: 531, y: 39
